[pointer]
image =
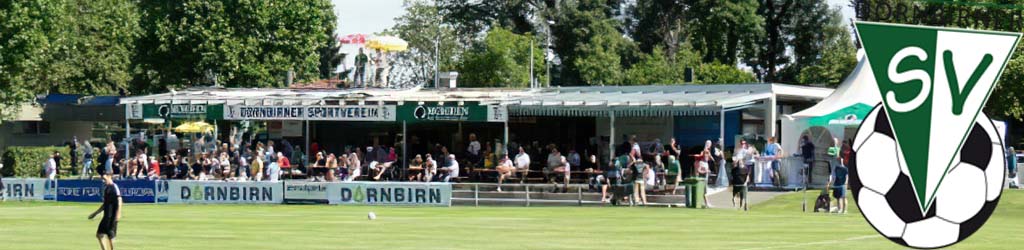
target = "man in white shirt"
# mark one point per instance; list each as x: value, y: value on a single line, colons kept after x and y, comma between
x: 51, y: 167
x: 452, y: 170
x: 523, y: 164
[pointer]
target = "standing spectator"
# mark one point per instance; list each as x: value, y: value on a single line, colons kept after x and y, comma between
x: 772, y: 152
x: 272, y: 168
x: 244, y: 166
x: 359, y: 77
x: 380, y: 61
x: 740, y: 179
x: 270, y: 152
x: 257, y: 166
x: 1011, y: 167
x: 473, y: 151
x: 674, y: 172
x: 73, y: 150
x: 639, y: 175
x: 837, y: 181
x: 451, y: 170
x: 56, y: 160
x: 673, y: 148
x: 522, y: 164
x: 51, y: 166
x: 719, y: 156
x: 314, y: 148
x: 87, y: 161
x: 807, y: 152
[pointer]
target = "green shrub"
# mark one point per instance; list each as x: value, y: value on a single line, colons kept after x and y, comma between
x: 28, y: 161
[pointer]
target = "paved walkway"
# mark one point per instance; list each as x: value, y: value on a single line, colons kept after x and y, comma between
x: 722, y: 197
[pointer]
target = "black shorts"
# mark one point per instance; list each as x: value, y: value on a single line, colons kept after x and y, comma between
x: 108, y: 227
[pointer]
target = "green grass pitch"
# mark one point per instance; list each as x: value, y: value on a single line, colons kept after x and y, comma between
x: 775, y: 224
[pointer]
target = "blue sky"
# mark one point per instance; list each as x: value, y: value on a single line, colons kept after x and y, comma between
x: 370, y: 16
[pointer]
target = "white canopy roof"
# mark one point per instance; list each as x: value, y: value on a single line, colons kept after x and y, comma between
x: 560, y: 101
x: 858, y: 87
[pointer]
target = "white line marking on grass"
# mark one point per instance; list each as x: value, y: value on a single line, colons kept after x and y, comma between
x: 818, y: 242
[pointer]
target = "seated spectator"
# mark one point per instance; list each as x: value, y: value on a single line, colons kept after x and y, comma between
x: 154, y: 170
x: 225, y: 166
x: 342, y: 170
x: 283, y: 163
x: 429, y: 169
x: 181, y: 169
x: 199, y: 168
x: 317, y: 168
x: 522, y: 165
x: 505, y: 169
x: 415, y: 169
x: 332, y: 167
x: 563, y: 170
x: 451, y: 170
x: 354, y: 167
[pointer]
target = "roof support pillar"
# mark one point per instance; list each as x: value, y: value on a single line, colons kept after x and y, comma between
x: 611, y: 136
x: 721, y: 126
x: 770, y: 116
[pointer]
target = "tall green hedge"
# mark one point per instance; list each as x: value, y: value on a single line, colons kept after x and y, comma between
x: 28, y: 161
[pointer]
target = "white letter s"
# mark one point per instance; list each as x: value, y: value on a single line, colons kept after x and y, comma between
x: 906, y: 76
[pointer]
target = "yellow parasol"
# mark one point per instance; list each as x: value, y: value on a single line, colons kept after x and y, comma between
x: 194, y: 127
x: 387, y: 43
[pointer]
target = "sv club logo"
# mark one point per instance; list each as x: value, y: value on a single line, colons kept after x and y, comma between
x: 917, y: 157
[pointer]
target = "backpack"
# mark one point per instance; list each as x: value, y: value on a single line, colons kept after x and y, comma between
x: 823, y: 202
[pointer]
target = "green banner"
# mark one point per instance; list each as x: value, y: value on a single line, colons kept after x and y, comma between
x: 468, y: 112
x: 183, y: 111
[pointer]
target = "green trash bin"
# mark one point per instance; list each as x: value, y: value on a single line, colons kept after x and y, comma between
x: 696, y: 187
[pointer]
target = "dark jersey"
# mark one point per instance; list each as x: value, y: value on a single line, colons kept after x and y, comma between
x: 110, y: 205
x: 739, y: 175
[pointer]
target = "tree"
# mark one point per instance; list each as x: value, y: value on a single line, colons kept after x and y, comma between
x: 657, y: 68
x: 771, y: 54
x: 330, y: 50
x: 501, y: 60
x: 654, y: 23
x: 589, y: 45
x: 824, y: 54
x: 64, y: 46
x: 422, y: 27
x: 717, y: 73
x: 237, y: 43
x: 723, y: 31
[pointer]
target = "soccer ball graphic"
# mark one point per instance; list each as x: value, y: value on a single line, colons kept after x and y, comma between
x: 965, y: 198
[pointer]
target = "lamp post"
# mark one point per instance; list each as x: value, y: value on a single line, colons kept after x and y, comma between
x: 547, y: 48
